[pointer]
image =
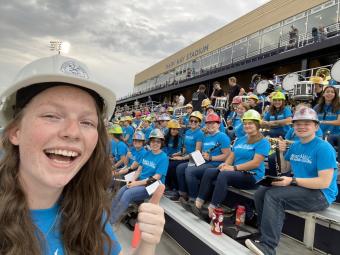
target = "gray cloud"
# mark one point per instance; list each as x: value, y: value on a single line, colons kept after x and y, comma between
x: 117, y: 38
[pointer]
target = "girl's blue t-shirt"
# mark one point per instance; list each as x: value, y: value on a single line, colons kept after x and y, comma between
x: 118, y: 149
x: 308, y: 159
x: 244, y: 152
x: 209, y: 141
x: 327, y: 114
x: 128, y: 131
x: 154, y: 164
x: 170, y: 149
x: 192, y: 137
x: 286, y: 113
x: 47, y: 221
x: 147, y: 132
x: 238, y: 127
x: 136, y: 155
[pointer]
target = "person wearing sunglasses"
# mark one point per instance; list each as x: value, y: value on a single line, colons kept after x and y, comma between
x: 193, y: 138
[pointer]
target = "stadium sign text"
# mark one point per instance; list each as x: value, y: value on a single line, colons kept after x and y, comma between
x: 190, y: 55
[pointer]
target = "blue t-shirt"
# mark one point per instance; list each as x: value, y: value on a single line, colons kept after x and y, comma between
x: 137, y: 122
x: 47, y: 222
x: 147, y: 132
x: 290, y: 135
x: 186, y: 119
x: 128, y: 131
x: 238, y: 128
x: 286, y: 113
x: 170, y: 148
x: 327, y: 114
x: 191, y: 137
x: 308, y: 159
x: 118, y: 149
x: 209, y: 141
x: 136, y: 155
x: 244, y: 152
x: 154, y: 164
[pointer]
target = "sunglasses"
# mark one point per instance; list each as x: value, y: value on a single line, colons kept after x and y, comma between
x: 155, y: 141
x: 194, y: 121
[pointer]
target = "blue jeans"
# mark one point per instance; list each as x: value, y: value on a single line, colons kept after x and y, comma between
x: 193, y: 175
x: 180, y: 174
x: 124, y: 197
x: 224, y: 179
x: 171, y: 175
x: 334, y: 140
x: 271, y: 203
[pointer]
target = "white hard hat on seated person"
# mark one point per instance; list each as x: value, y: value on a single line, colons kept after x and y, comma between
x: 305, y: 113
x: 53, y: 70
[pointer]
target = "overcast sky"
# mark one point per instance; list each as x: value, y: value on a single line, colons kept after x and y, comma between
x: 115, y: 38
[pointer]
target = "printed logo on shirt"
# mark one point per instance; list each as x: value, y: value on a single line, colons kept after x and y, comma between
x: 189, y: 137
x: 209, y: 144
x: 149, y: 163
x: 301, y: 158
x: 244, y: 146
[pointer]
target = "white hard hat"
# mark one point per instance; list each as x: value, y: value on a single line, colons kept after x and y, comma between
x: 52, y: 69
x: 305, y: 113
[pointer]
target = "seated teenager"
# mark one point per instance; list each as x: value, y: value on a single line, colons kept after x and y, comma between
x: 153, y: 166
x: 313, y: 187
x: 215, y: 149
x: 242, y: 169
x: 118, y: 148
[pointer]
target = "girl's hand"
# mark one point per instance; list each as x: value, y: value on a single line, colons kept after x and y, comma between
x: 285, y: 182
x: 227, y: 167
x: 151, y: 218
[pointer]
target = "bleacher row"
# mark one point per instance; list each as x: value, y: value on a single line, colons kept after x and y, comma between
x: 303, y: 233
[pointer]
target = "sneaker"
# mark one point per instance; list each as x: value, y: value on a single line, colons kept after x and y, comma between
x: 255, y: 246
x: 185, y: 203
x: 197, y: 211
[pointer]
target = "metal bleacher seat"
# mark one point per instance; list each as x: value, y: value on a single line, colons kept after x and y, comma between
x: 201, y: 231
x: 331, y: 216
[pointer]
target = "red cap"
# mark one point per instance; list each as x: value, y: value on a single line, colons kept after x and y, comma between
x: 212, y: 117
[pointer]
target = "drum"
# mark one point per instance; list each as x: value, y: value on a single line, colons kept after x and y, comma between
x: 304, y: 91
x: 335, y: 72
x: 289, y: 81
x: 265, y: 87
x: 220, y: 102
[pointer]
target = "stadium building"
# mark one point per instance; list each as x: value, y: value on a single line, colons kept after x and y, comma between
x: 275, y: 39
x: 278, y: 38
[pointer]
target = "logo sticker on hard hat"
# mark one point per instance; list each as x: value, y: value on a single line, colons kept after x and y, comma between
x: 72, y: 68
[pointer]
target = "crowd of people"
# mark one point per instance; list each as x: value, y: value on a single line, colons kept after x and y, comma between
x: 62, y: 160
x: 235, y: 145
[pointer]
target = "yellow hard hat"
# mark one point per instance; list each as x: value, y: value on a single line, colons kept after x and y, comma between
x: 197, y: 114
x: 128, y: 118
x: 189, y: 106
x: 170, y: 109
x: 205, y: 102
x: 316, y: 80
x: 174, y: 124
x: 116, y: 129
x: 278, y: 96
x: 251, y: 115
x: 253, y: 96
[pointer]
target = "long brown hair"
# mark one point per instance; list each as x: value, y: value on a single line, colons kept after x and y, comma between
x: 320, y: 107
x: 83, y: 203
x: 273, y: 109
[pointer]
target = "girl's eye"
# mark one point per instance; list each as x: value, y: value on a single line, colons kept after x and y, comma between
x: 51, y: 116
x: 88, y: 124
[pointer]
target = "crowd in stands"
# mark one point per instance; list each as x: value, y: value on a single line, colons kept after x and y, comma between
x: 234, y: 144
